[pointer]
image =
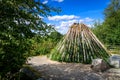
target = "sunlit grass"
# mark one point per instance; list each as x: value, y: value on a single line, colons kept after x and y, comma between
x: 114, y: 49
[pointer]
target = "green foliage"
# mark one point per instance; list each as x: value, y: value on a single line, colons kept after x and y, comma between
x: 45, y: 44
x: 55, y: 36
x: 114, y: 49
x: 19, y: 22
x: 108, y: 31
x: 98, y: 31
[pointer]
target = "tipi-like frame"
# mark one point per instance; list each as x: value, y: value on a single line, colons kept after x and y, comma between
x: 79, y: 45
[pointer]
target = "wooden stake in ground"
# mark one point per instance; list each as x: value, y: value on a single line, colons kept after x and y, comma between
x: 79, y: 45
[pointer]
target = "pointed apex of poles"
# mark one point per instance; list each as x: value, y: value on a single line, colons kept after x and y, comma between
x: 79, y: 27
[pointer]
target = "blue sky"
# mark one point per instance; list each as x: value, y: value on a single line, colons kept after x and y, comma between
x: 85, y: 11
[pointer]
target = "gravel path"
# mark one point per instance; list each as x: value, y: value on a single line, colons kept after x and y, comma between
x: 53, y: 70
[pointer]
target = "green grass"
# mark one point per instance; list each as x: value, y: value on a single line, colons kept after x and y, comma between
x: 114, y: 49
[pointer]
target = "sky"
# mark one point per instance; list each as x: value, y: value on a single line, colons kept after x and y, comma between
x: 75, y: 11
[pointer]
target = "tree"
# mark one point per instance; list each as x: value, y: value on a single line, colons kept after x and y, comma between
x: 98, y: 31
x: 108, y: 31
x: 20, y: 20
x: 112, y: 23
x: 55, y: 36
x: 46, y: 44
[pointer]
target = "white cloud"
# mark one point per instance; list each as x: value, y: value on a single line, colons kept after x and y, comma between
x: 45, y: 2
x: 90, y: 25
x: 62, y: 23
x: 86, y: 20
x: 68, y: 23
x: 59, y: 0
x: 81, y: 20
x: 63, y: 17
x: 63, y: 26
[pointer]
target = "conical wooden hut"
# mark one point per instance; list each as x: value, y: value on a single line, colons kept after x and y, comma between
x: 79, y: 45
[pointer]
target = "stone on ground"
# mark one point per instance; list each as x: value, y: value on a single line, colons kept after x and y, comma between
x: 115, y: 61
x: 99, y: 65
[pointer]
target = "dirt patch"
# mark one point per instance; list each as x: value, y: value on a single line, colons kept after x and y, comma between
x: 41, y: 60
x: 53, y: 70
